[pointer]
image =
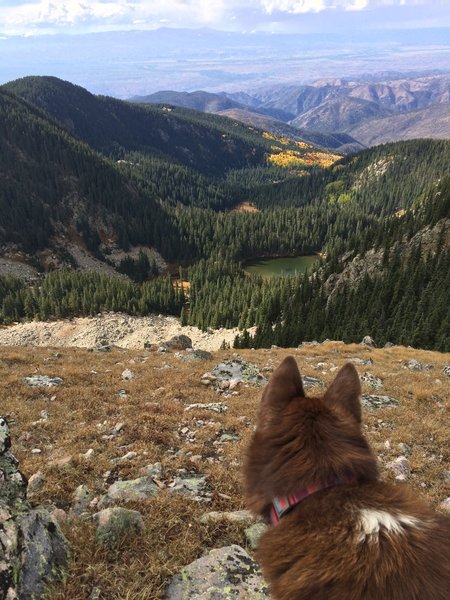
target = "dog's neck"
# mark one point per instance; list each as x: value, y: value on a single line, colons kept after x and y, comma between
x: 281, y: 505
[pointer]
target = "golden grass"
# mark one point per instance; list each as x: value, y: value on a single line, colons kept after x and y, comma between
x: 87, y: 406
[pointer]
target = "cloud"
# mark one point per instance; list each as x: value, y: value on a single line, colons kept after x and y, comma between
x: 305, y: 6
x: 48, y: 16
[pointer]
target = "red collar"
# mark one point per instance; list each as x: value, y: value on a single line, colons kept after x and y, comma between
x: 281, y: 505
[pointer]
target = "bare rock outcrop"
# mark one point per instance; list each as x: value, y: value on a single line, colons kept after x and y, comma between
x: 33, y: 550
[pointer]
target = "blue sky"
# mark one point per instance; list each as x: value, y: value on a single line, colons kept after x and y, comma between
x: 28, y: 17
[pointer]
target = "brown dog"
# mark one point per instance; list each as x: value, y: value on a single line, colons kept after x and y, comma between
x: 338, y: 532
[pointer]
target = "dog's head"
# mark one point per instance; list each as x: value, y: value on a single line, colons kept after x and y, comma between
x: 301, y: 441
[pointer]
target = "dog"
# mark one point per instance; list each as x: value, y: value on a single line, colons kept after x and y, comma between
x: 337, y: 532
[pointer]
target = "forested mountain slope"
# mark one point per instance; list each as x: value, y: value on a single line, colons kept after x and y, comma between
x: 378, y: 207
x: 54, y: 186
x: 211, y: 145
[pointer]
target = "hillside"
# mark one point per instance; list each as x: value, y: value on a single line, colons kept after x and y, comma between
x: 66, y: 205
x: 265, y: 119
x: 209, y: 145
x: 348, y: 104
x: 431, y: 122
x: 338, y: 114
x: 97, y: 429
x: 199, y: 100
x: 54, y: 187
x: 338, y: 142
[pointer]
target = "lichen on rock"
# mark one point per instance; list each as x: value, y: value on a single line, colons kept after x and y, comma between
x: 33, y: 549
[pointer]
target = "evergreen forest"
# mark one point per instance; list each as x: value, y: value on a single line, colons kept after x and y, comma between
x: 106, y: 174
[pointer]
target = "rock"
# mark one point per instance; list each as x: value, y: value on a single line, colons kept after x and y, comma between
x: 218, y: 407
x: 88, y: 454
x: 368, y: 341
x: 42, y: 380
x: 131, y: 490
x: 198, y: 355
x: 372, y: 402
x: 445, y: 505
x: 228, y: 437
x: 222, y: 573
x: 154, y: 470
x: 118, y: 428
x: 95, y: 594
x: 178, y: 342
x: 80, y: 500
x: 371, y: 380
x: 103, y: 348
x: 44, y: 555
x: 400, y: 467
x: 404, y: 449
x: 113, y: 524
x: 35, y: 483
x: 5, y: 438
x: 128, y: 456
x: 236, y: 516
x: 33, y: 550
x: 194, y: 486
x: 361, y: 361
x: 238, y: 370
x: 415, y: 365
x: 254, y: 533
x: 446, y: 370
x: 127, y: 375
x: 388, y: 345
x: 309, y: 382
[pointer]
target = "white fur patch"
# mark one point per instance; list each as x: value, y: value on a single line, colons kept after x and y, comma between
x: 371, y: 521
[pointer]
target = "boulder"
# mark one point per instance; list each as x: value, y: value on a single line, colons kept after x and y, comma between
x: 198, y: 355
x: 254, y: 533
x: 227, y: 572
x: 114, y: 524
x: 374, y: 402
x: 42, y: 380
x: 368, y: 341
x: 239, y: 371
x: 400, y: 467
x: 415, y: 365
x: 131, y: 490
x: 371, y: 380
x: 33, y: 550
x: 44, y: 552
x: 178, y: 342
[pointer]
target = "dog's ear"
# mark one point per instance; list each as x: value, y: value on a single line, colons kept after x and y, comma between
x: 345, y: 391
x: 285, y: 383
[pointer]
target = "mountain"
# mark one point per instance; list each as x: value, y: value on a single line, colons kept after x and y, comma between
x: 199, y: 100
x: 338, y: 142
x: 433, y: 122
x: 267, y: 119
x: 345, y: 104
x: 208, y: 144
x: 338, y: 114
x: 177, y: 181
x: 54, y: 187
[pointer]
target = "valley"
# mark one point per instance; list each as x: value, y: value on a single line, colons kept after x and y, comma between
x: 190, y: 192
x: 89, y: 179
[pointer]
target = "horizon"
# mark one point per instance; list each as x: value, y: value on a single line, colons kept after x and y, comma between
x: 125, y: 48
x: 40, y: 17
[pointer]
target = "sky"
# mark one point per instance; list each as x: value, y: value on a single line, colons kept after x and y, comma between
x: 34, y: 17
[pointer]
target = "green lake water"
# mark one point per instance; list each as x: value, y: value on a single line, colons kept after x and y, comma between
x: 275, y: 267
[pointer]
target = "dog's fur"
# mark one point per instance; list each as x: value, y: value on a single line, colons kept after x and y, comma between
x: 367, y: 540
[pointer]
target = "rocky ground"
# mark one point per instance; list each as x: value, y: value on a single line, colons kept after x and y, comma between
x: 112, y: 329
x: 137, y: 454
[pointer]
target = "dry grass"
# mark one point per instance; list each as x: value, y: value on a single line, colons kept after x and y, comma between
x: 87, y: 406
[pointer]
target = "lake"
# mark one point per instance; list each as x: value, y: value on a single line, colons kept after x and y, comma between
x: 275, y: 267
